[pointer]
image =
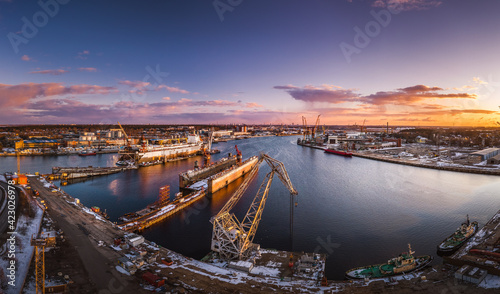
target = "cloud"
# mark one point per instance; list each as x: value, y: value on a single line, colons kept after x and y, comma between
x: 89, y: 69
x: 83, y: 55
x: 26, y: 58
x: 165, y: 98
x: 325, y: 93
x: 139, y: 85
x: 54, y: 72
x: 173, y: 89
x: 410, y: 95
x: 454, y: 112
x: 17, y: 95
x: 253, y: 105
x: 406, y: 5
x: 479, y: 81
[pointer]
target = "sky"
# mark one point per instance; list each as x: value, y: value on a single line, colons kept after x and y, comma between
x: 406, y: 62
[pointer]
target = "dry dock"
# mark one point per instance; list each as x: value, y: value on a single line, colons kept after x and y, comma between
x: 483, y: 250
x: 219, y: 174
x: 65, y: 173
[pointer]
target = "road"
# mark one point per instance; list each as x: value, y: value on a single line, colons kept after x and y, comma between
x: 83, y: 231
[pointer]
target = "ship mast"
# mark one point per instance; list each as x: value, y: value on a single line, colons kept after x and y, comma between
x: 409, y: 250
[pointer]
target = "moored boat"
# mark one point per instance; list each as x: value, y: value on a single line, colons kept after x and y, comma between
x: 338, y: 152
x: 459, y: 237
x: 87, y: 153
x: 402, y: 264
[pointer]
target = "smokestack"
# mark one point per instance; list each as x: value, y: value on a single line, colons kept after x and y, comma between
x: 387, y: 127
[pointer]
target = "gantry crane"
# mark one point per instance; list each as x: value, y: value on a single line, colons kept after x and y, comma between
x: 231, y: 238
x: 39, y: 244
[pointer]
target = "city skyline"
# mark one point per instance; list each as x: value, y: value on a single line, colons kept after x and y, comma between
x: 408, y: 62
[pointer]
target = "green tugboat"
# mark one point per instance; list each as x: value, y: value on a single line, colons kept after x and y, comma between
x: 457, y: 239
x: 402, y: 264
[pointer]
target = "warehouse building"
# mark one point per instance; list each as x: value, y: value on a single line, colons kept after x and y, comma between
x: 482, y: 155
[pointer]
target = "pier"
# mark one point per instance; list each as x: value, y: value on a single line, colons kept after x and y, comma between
x: 156, y: 216
x: 481, y: 250
x: 65, y: 173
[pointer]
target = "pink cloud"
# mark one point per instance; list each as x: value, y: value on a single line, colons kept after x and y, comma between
x: 54, y: 72
x: 26, y: 58
x: 89, y: 69
x: 17, y: 95
x: 173, y: 89
x: 139, y: 85
x: 252, y: 105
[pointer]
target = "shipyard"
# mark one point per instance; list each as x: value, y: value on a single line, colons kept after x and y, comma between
x: 232, y: 262
x: 249, y: 147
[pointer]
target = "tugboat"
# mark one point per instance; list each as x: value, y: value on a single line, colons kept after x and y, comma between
x: 457, y: 239
x: 402, y: 264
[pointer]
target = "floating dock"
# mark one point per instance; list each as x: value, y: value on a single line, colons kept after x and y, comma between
x: 65, y: 173
x: 482, y: 250
x: 217, y: 175
x: 192, y: 176
x: 153, y: 216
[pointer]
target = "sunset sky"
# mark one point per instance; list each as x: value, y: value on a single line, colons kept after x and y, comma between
x: 406, y: 62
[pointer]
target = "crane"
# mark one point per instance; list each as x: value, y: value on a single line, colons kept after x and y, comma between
x: 304, y: 124
x: 39, y: 244
x: 231, y: 238
x: 126, y: 137
x: 238, y: 154
x: 363, y: 126
x: 315, y: 128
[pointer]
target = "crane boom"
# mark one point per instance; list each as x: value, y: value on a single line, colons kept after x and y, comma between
x: 232, y: 238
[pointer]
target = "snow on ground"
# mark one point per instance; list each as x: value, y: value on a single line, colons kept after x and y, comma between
x: 265, y: 271
x: 26, y: 227
x: 121, y: 270
x: 116, y: 248
x: 490, y: 281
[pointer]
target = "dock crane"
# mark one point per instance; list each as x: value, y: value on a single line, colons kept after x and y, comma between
x: 305, y: 129
x: 39, y: 244
x: 315, y: 128
x: 231, y: 238
x: 238, y: 154
x: 129, y: 143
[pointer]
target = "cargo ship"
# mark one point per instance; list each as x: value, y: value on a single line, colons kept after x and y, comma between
x: 457, y: 239
x: 402, y: 264
x: 150, y: 153
x: 332, y: 150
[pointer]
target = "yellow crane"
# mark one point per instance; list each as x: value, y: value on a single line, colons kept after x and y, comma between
x: 233, y: 239
x: 39, y: 244
x: 315, y: 128
x: 125, y: 134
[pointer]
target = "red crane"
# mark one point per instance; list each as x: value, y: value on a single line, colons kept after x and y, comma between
x: 238, y: 154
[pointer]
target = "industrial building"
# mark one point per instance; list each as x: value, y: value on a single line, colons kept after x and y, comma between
x: 482, y: 155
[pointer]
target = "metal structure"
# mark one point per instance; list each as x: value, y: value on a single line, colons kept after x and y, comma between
x: 315, y: 128
x: 39, y: 244
x: 126, y: 136
x: 231, y: 238
x: 305, y: 130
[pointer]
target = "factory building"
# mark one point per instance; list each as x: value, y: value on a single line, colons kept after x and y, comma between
x: 482, y: 155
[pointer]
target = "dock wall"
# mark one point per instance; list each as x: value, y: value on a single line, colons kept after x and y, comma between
x: 218, y: 182
x: 193, y: 176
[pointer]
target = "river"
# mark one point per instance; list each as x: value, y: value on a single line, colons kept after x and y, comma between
x: 358, y: 211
